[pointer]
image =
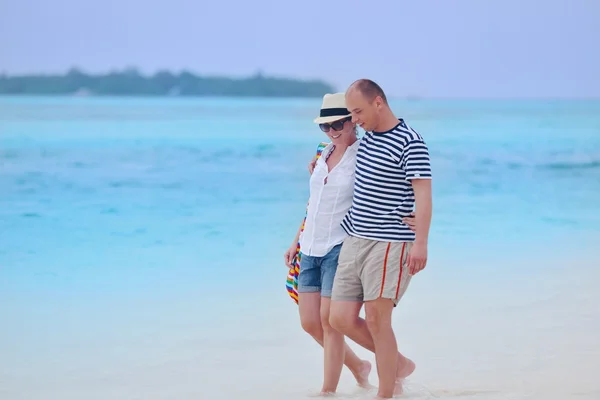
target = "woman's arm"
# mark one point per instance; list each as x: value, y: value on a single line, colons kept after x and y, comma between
x: 290, y: 253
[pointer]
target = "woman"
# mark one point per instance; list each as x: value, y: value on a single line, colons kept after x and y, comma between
x: 331, y: 187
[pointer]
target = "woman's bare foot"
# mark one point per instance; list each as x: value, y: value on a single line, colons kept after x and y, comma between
x: 399, y: 387
x: 404, y: 370
x: 362, y: 375
x: 325, y: 393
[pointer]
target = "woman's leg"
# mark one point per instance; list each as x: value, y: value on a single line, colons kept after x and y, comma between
x: 310, y: 318
x: 309, y: 306
x: 309, y: 297
x: 336, y: 350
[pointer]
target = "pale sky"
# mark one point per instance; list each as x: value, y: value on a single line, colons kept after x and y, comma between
x: 430, y: 48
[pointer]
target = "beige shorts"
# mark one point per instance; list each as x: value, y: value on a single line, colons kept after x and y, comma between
x: 370, y: 269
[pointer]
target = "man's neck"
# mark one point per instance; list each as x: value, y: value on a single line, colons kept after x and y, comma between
x: 388, y: 122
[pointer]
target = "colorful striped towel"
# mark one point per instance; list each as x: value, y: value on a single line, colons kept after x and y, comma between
x: 292, y: 277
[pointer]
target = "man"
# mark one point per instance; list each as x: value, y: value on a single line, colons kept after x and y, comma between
x: 382, y: 253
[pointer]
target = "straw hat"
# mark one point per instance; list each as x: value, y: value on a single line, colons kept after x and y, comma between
x: 333, y: 108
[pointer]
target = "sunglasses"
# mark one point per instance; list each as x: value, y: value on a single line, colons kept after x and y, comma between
x: 336, y: 126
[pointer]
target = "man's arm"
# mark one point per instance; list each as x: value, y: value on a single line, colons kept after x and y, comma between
x: 424, y: 208
x: 417, y: 256
x: 418, y: 171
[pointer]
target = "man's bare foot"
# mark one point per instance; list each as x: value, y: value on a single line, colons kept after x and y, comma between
x: 362, y: 375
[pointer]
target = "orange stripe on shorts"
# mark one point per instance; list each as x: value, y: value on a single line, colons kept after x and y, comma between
x: 384, y: 268
x: 400, y: 274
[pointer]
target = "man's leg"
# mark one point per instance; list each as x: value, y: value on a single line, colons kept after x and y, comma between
x: 344, y: 317
x: 379, y: 322
x: 385, y: 277
x: 348, y: 292
x: 309, y: 304
x: 347, y: 296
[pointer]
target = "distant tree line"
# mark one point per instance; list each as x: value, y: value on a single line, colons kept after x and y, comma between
x: 132, y: 83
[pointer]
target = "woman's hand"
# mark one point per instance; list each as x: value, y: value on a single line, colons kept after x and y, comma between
x: 311, y: 165
x: 289, y: 256
x: 410, y: 221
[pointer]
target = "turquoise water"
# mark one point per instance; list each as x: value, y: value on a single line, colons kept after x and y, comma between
x: 127, y: 225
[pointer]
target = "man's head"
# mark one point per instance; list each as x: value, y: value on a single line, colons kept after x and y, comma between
x: 367, y: 103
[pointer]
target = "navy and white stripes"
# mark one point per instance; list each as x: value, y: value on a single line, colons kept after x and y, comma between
x: 383, y: 194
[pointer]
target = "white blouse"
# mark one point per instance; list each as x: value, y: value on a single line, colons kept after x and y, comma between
x: 329, y: 201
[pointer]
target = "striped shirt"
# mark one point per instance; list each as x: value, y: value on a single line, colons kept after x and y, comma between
x: 383, y: 194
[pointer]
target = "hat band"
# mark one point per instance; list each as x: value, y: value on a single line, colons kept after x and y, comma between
x: 334, y: 112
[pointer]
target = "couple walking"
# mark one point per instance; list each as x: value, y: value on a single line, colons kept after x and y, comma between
x: 359, y: 242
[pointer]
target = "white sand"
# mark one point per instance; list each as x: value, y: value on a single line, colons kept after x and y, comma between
x: 534, y: 335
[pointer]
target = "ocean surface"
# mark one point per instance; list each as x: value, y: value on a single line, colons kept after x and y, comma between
x: 142, y: 240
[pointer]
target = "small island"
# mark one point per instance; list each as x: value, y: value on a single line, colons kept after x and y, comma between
x: 131, y: 82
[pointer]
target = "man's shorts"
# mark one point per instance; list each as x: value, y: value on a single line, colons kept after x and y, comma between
x: 370, y: 269
x: 317, y: 273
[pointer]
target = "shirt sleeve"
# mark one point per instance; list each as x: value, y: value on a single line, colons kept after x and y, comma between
x: 415, y: 160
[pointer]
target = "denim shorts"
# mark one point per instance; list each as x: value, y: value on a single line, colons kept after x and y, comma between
x: 317, y: 273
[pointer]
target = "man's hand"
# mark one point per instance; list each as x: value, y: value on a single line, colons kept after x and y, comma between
x: 289, y: 256
x: 311, y: 165
x: 417, y: 258
x: 410, y: 221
